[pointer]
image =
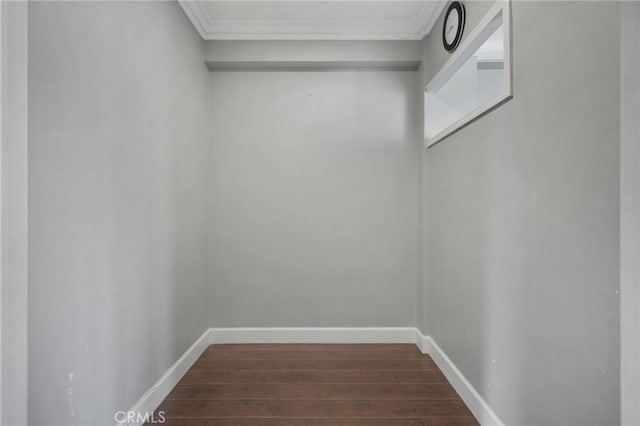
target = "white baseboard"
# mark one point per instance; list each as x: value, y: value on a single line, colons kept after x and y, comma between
x: 159, y: 391
x: 478, y: 406
x: 156, y: 394
x: 314, y: 335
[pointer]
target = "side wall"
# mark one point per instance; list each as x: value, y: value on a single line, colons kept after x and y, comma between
x: 14, y: 113
x: 118, y: 171
x: 630, y: 213
x: 523, y: 227
x: 314, y: 189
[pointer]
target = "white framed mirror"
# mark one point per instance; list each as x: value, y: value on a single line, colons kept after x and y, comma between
x: 475, y: 80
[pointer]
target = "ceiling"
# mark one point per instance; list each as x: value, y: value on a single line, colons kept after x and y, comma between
x: 312, y: 19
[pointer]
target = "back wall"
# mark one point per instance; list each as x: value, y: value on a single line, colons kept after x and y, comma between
x: 314, y: 199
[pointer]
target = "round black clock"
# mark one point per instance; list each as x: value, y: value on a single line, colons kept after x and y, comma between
x: 453, y: 26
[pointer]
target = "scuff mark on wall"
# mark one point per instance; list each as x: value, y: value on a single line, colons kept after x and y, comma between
x: 70, y: 396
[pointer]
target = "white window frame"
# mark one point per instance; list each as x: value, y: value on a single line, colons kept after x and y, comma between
x: 466, y: 49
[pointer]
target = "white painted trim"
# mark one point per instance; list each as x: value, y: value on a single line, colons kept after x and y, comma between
x: 314, y: 335
x: 411, y: 29
x: 467, y: 119
x: 630, y: 213
x: 468, y: 46
x: 197, y: 14
x: 478, y: 406
x: 422, y: 342
x: 159, y: 391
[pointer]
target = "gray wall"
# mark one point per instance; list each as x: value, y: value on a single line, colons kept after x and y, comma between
x: 630, y: 212
x: 13, y: 291
x: 523, y: 221
x: 239, y: 51
x: 315, y: 200
x: 119, y: 162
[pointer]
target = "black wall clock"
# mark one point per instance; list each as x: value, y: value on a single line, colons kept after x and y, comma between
x: 453, y: 26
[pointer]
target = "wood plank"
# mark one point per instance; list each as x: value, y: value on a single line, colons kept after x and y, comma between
x: 302, y: 376
x: 250, y: 391
x: 269, y: 364
x: 434, y: 421
x: 407, y: 347
x: 393, y: 364
x: 392, y: 391
x: 402, y: 408
x: 303, y: 364
x: 182, y: 408
x: 301, y: 408
x: 450, y: 421
x: 312, y: 422
x: 193, y: 377
x: 200, y: 408
x: 310, y: 354
x: 180, y: 422
x: 421, y: 376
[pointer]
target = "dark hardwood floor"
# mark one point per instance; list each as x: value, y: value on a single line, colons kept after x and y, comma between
x: 316, y: 385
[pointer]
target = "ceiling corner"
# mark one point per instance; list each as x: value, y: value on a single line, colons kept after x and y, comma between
x: 430, y: 13
x: 197, y: 14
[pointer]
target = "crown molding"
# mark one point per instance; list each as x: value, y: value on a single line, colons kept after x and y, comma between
x: 412, y: 29
x: 197, y: 14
